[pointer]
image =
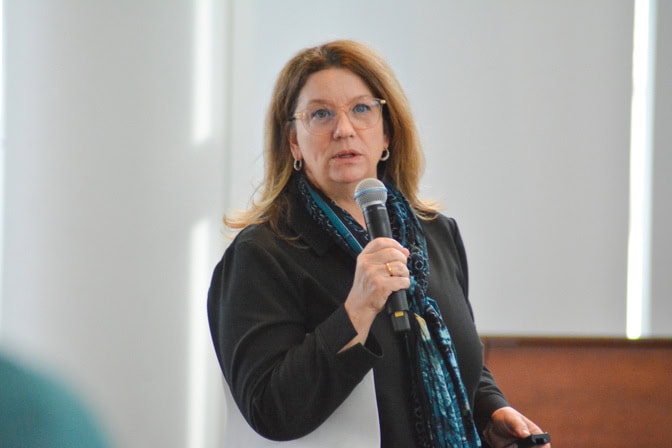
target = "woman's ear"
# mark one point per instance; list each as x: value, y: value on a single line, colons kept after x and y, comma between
x: 386, y: 133
x: 294, y: 144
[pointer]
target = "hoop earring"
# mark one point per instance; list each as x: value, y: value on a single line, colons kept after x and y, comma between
x: 298, y: 164
x: 385, y: 155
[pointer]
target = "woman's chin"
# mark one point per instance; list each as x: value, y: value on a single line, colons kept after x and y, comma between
x: 353, y: 176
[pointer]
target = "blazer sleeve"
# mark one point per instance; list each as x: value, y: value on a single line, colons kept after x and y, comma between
x: 488, y: 397
x: 286, y: 378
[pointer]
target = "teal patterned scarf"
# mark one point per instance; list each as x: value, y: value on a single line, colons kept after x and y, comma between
x: 445, y: 417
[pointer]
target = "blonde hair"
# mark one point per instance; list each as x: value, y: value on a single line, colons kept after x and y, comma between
x: 405, y: 165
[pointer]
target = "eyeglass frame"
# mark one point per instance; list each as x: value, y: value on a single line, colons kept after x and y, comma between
x: 301, y: 115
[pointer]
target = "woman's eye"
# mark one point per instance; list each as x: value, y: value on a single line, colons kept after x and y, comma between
x: 361, y: 108
x: 321, y: 114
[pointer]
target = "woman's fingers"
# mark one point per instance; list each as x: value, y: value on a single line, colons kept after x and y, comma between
x: 387, y: 253
x: 380, y: 270
x: 395, y: 269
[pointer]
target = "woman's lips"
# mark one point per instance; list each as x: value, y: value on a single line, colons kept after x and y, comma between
x: 346, y: 155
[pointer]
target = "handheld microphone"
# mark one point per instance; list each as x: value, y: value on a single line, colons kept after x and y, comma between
x: 370, y: 195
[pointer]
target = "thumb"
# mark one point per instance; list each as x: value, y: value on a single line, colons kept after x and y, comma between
x: 510, y: 422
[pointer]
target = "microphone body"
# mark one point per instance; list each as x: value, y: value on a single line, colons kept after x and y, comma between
x: 378, y: 225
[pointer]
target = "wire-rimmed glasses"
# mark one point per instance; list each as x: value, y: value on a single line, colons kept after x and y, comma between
x: 322, y: 118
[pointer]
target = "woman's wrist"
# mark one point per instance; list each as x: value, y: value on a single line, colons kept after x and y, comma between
x: 361, y: 320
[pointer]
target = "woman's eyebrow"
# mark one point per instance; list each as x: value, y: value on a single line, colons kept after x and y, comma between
x: 320, y: 101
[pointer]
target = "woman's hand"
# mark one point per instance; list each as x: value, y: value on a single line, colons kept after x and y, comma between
x: 381, y: 270
x: 506, y: 426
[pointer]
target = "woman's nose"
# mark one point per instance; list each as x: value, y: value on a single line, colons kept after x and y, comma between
x: 344, y: 127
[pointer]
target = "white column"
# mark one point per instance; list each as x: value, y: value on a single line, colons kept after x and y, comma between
x: 113, y: 206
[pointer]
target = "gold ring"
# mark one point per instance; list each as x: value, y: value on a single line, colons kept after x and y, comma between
x: 389, y: 269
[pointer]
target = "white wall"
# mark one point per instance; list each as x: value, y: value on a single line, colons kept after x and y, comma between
x: 523, y: 107
x: 524, y: 112
x: 661, y: 280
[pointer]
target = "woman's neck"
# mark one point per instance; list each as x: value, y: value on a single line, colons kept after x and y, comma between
x: 353, y: 208
x: 344, y: 198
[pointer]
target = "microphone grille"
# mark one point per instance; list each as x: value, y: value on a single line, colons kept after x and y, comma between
x: 369, y: 192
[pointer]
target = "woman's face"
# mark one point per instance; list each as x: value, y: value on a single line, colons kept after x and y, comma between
x: 336, y: 161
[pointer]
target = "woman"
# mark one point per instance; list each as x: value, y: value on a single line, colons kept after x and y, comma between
x: 295, y: 304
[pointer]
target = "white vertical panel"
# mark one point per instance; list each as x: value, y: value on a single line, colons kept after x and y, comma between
x: 2, y: 153
x: 641, y: 171
x: 104, y: 188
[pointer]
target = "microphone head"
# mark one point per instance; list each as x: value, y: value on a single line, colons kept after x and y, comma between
x: 369, y: 192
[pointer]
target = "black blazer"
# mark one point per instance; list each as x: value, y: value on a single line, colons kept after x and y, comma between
x: 277, y: 320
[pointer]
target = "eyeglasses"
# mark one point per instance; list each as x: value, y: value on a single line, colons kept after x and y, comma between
x: 319, y: 119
